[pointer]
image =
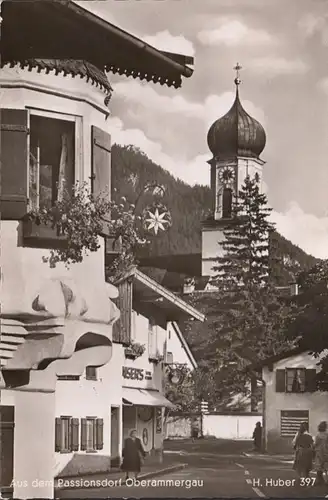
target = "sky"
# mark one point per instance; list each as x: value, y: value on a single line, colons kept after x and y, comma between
x: 282, y: 47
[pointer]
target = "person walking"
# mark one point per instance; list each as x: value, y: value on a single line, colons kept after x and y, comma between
x: 133, y: 454
x: 257, y: 437
x: 304, y: 451
x: 321, y: 452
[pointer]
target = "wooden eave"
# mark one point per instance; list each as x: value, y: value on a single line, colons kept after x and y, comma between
x: 148, y: 291
x: 61, y: 29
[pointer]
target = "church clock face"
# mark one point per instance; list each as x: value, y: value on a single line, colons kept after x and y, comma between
x: 227, y: 175
x: 145, y: 413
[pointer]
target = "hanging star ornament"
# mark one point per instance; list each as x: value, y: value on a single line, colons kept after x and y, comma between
x: 156, y: 218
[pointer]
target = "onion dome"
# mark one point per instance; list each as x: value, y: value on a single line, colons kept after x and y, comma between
x: 236, y: 133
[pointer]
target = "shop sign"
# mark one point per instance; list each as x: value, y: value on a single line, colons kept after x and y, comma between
x: 136, y: 373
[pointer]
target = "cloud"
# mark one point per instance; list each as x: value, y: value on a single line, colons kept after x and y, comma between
x: 209, y: 110
x: 305, y: 230
x: 194, y: 171
x: 311, y: 24
x: 234, y: 32
x: 164, y: 40
x: 323, y: 85
x: 275, y: 66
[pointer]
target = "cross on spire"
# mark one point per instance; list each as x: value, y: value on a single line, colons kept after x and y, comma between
x: 237, y: 68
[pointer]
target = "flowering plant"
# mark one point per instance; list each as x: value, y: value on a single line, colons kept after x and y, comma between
x: 135, y: 350
x: 80, y: 218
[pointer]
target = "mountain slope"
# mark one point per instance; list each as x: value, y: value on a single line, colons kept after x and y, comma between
x: 132, y: 169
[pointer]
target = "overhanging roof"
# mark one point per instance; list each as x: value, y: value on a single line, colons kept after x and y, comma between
x: 61, y: 29
x: 184, y: 344
x: 154, y: 293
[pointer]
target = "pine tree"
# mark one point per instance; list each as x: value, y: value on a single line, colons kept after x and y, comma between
x: 246, y: 259
x: 250, y: 314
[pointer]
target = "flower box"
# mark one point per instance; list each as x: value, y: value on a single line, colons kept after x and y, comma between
x: 134, y: 351
x: 129, y: 354
x: 42, y: 235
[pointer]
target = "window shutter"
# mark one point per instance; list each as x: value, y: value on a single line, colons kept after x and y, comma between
x: 280, y: 381
x: 58, y: 434
x: 122, y: 328
x: 14, y: 162
x: 83, y: 433
x: 310, y: 380
x: 75, y: 424
x: 101, y: 162
x: 100, y: 434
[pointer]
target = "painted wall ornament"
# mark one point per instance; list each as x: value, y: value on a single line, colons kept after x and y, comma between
x: 156, y: 217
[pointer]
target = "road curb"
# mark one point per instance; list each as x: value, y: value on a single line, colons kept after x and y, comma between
x: 268, y: 457
x: 146, y: 475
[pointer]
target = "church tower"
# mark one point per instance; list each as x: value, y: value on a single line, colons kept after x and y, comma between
x: 236, y: 141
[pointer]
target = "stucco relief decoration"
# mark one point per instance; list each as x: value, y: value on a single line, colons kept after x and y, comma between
x: 63, y: 298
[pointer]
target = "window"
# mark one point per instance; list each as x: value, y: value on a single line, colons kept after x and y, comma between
x: 68, y: 377
x: 92, y: 434
x: 290, y: 421
x: 152, y: 338
x: 227, y: 203
x: 66, y: 434
x: 91, y: 373
x: 51, y: 168
x: 296, y: 380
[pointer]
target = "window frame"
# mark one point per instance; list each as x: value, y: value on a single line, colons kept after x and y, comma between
x: 68, y: 420
x: 152, y: 334
x: 78, y: 136
x: 94, y: 434
x: 294, y: 371
x: 91, y: 377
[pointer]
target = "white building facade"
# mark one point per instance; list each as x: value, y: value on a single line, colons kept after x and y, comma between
x: 56, y: 321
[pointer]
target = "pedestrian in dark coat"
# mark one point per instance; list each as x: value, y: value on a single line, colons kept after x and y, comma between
x: 257, y: 437
x: 304, y: 446
x: 133, y: 453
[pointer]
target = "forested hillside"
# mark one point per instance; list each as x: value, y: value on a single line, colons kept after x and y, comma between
x: 132, y: 169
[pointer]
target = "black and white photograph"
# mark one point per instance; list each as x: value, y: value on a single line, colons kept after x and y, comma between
x: 163, y: 249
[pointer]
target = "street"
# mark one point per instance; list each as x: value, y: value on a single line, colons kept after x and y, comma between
x: 215, y: 475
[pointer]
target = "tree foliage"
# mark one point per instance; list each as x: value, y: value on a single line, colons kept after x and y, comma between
x: 245, y: 315
x: 308, y: 325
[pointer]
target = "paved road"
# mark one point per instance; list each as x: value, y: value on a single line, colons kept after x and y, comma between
x: 215, y: 476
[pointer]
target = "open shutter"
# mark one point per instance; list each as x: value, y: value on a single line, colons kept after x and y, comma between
x: 83, y: 433
x: 14, y: 163
x: 122, y: 330
x: 280, y: 381
x: 310, y: 380
x: 75, y: 434
x: 101, y: 162
x: 58, y: 434
x: 99, y: 434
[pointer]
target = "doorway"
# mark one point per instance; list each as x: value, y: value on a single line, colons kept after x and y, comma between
x: 115, y: 436
x: 6, y: 446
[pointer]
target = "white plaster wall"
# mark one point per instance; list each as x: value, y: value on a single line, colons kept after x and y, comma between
x: 24, y: 273
x: 82, y: 398
x: 175, y: 346
x: 230, y: 426
x: 316, y: 402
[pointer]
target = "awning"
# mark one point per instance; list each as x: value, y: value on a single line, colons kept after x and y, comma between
x: 144, y: 397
